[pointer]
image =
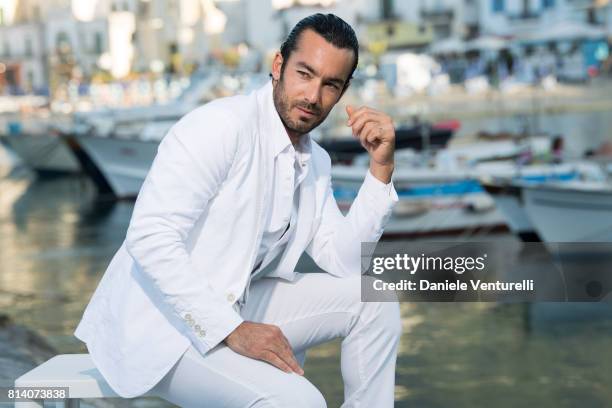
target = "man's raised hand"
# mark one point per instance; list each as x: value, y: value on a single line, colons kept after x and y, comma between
x: 376, y: 132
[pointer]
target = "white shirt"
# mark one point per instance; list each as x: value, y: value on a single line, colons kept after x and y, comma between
x: 290, y: 169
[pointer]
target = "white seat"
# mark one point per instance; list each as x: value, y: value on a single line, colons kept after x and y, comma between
x: 74, y: 371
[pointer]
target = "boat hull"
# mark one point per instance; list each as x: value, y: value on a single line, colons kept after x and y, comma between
x: 43, y: 153
x: 509, y: 202
x: 118, y: 167
x: 567, y: 214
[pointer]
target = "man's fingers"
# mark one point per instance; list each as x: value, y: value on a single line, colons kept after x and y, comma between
x: 364, y: 133
x: 286, y: 354
x: 364, y: 110
x: 368, y: 129
x: 267, y: 343
x: 283, y: 349
x: 283, y: 359
x: 290, y: 360
x: 275, y: 360
x: 279, y: 345
x: 354, y: 114
x: 350, y: 110
x: 360, y: 123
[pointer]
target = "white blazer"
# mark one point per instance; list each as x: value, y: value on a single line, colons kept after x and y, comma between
x: 194, y: 234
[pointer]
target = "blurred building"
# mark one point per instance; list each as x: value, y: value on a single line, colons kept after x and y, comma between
x: 381, y: 25
x: 174, y: 34
x: 45, y: 42
x: 22, y: 46
x: 82, y: 38
x: 520, y: 17
x: 48, y: 42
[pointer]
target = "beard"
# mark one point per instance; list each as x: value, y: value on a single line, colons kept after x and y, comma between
x: 284, y: 107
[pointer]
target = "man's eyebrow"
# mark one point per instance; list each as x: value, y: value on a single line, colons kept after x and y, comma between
x: 315, y: 73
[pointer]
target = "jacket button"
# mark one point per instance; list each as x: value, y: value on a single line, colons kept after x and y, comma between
x: 202, y: 333
x: 187, y: 316
x: 231, y: 297
x: 197, y: 327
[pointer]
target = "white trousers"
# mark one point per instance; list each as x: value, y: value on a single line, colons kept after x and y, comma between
x: 313, y: 309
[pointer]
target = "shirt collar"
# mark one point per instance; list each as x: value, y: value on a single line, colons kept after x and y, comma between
x: 304, y: 149
x: 277, y: 132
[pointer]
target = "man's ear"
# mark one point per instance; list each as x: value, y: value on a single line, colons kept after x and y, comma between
x: 277, y: 64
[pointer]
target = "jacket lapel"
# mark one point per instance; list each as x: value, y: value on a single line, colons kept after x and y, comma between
x: 264, y: 161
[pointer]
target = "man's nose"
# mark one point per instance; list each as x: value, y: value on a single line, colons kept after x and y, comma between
x: 313, y: 94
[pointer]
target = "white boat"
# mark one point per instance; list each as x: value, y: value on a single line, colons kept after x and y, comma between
x: 507, y: 192
x: 116, y: 147
x: 570, y: 212
x: 118, y: 167
x: 43, y: 152
x: 509, y: 202
x: 432, y: 201
x: 435, y: 201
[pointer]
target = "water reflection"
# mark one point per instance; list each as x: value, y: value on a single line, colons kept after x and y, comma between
x: 481, y: 355
x: 53, y: 253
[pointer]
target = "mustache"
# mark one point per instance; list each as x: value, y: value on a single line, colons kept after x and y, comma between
x: 312, y: 107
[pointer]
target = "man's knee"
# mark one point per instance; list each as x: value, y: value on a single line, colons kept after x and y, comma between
x: 300, y: 393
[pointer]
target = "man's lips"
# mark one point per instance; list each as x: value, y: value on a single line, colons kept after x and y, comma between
x: 307, y: 112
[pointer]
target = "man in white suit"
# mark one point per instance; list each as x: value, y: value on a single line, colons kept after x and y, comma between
x: 201, y: 305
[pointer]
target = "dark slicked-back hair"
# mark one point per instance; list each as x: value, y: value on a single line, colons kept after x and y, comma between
x: 331, y: 27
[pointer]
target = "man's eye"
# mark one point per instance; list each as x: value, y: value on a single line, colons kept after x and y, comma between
x: 333, y: 86
x: 303, y: 74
